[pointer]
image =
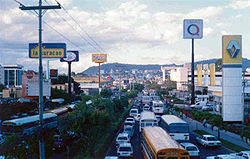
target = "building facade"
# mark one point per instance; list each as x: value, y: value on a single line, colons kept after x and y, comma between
x: 13, y: 75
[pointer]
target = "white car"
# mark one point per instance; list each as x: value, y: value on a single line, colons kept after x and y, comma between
x: 125, y: 150
x: 208, y: 141
x: 146, y: 107
x: 241, y: 155
x: 208, y: 107
x: 227, y: 156
x: 158, y: 117
x: 133, y: 112
x: 191, y: 148
x: 137, y: 117
x: 122, y: 138
x: 130, y: 119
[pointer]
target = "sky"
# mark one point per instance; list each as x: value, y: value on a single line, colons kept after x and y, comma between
x: 129, y: 31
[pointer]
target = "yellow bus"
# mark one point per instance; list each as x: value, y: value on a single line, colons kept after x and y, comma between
x: 157, y: 144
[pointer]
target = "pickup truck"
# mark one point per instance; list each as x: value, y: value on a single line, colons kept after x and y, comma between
x: 208, y: 141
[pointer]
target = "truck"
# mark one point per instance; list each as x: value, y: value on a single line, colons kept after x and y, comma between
x: 208, y: 141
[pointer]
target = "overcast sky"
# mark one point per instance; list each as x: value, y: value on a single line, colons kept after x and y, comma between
x: 129, y: 31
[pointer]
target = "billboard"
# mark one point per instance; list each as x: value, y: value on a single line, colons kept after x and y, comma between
x: 99, y: 58
x: 231, y: 49
x: 71, y: 56
x: 199, y: 75
x: 49, y: 50
x: 212, y: 74
x: 193, y: 28
x: 53, y: 73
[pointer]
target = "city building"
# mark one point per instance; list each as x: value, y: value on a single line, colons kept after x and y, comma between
x: 12, y: 92
x: 63, y: 87
x: 13, y: 75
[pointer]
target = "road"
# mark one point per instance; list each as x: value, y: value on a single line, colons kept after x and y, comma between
x: 204, y: 152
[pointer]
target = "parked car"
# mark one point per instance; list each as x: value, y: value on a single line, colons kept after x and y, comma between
x: 130, y: 119
x: 122, y: 138
x: 207, y: 107
x: 137, y: 117
x: 241, y: 155
x: 208, y: 141
x: 133, y: 112
x: 125, y: 150
x: 192, y: 149
x: 59, y: 144
x: 129, y: 130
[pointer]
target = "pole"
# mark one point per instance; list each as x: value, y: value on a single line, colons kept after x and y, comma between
x: 192, y: 85
x: 69, y: 79
x: 48, y: 73
x: 99, y: 76
x: 41, y: 142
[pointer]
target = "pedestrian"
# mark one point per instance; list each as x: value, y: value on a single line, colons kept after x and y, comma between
x: 204, y: 123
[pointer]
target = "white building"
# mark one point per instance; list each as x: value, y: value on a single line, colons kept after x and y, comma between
x: 180, y: 75
x: 13, y: 75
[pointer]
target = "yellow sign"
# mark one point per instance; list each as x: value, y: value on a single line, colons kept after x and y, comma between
x: 199, y: 75
x: 99, y: 58
x: 212, y: 74
x: 49, y: 50
x: 231, y: 49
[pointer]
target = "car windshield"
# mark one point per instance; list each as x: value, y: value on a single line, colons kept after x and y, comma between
x: 130, y: 119
x: 211, y: 139
x: 133, y: 111
x: 191, y: 148
x: 122, y: 138
x: 130, y: 124
x: 128, y: 129
x: 125, y: 149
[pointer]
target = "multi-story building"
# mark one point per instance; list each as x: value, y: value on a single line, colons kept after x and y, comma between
x: 13, y: 75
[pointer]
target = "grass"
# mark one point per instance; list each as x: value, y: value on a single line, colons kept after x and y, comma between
x: 224, y: 143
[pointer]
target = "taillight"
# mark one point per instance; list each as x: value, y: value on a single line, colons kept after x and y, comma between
x: 132, y: 154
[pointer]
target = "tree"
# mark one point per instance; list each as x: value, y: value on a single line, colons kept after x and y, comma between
x: 1, y: 87
x: 218, y: 122
x: 106, y: 93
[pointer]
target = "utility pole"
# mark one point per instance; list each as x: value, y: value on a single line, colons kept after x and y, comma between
x: 192, y: 67
x: 41, y: 104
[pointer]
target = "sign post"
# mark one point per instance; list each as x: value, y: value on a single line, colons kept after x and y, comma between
x: 99, y: 58
x: 192, y: 29
x: 71, y: 56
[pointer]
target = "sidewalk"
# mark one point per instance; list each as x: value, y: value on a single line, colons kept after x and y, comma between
x: 228, y: 136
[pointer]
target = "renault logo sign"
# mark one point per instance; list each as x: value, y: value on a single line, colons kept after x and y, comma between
x: 233, y: 48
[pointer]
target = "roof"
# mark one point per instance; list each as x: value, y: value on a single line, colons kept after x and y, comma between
x: 58, y: 110
x: 29, y: 119
x: 125, y: 145
x: 187, y: 144
x: 159, y: 139
x: 170, y: 119
x: 208, y: 135
x: 147, y: 115
x: 122, y: 134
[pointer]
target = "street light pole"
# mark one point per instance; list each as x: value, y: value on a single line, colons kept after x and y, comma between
x: 192, y: 85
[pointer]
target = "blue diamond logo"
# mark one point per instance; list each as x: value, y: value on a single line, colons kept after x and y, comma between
x: 233, y: 48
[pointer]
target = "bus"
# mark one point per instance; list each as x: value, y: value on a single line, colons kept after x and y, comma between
x: 147, y: 119
x: 28, y: 125
x: 158, y: 107
x: 58, y: 111
x: 157, y: 144
x: 177, y: 128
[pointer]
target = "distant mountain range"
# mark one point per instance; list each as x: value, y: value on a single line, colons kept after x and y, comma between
x: 128, y: 67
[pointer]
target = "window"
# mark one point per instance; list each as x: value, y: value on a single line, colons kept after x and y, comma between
x: 191, y: 148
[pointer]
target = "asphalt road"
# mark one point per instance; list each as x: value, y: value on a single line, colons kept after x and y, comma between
x: 204, y: 152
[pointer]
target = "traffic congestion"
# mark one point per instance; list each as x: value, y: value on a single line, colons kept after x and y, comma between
x: 153, y: 130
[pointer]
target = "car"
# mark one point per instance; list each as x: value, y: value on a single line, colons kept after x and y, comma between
x: 241, y: 155
x: 158, y: 117
x: 125, y: 150
x: 129, y: 130
x: 227, y: 156
x: 198, y: 105
x: 59, y: 144
x: 133, y: 112
x: 191, y: 148
x: 122, y: 138
x: 2, y: 139
x: 129, y: 123
x: 111, y: 157
x: 208, y: 141
x: 146, y: 107
x: 207, y: 107
x: 137, y: 117
x: 130, y: 119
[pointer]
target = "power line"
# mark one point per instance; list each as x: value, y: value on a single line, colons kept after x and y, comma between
x: 35, y: 14
x: 80, y: 27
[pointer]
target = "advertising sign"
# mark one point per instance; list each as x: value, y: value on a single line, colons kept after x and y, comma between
x: 199, y: 75
x: 71, y: 56
x: 53, y: 73
x: 212, y: 74
x: 49, y: 50
x: 232, y: 49
x: 29, y: 75
x: 99, y: 58
x: 193, y: 29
